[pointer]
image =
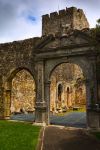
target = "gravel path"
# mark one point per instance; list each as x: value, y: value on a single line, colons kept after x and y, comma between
x: 68, y: 139
x: 73, y: 119
x: 23, y: 117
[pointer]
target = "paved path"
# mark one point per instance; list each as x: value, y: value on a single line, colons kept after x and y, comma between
x: 68, y: 139
x: 72, y: 119
x: 23, y: 117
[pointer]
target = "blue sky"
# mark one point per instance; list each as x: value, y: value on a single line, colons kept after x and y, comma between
x: 21, y: 19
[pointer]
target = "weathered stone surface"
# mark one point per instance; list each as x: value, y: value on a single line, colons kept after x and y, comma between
x: 17, y: 54
x: 63, y: 21
x: 40, y: 56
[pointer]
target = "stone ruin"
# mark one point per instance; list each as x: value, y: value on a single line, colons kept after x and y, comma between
x: 62, y: 22
x: 66, y: 38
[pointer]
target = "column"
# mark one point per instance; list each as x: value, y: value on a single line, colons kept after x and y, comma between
x: 40, y: 107
x: 91, y: 84
x: 98, y: 78
x: 1, y: 99
x: 47, y: 98
x: 94, y: 80
x: 88, y: 93
x: 1, y: 103
x: 93, y: 110
x: 7, y: 104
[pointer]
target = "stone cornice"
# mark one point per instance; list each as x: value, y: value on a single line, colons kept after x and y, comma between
x: 72, y: 46
x: 65, y: 52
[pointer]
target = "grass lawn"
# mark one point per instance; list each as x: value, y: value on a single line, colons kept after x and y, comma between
x: 70, y: 111
x: 97, y: 134
x: 18, y: 136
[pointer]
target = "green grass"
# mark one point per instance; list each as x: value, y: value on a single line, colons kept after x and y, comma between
x: 70, y: 111
x: 18, y: 136
x: 97, y: 134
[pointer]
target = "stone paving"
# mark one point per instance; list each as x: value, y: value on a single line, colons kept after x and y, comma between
x: 73, y: 119
x: 69, y: 139
x: 23, y: 117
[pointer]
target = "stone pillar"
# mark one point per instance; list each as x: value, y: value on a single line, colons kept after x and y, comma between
x: 95, y: 79
x: 88, y: 93
x: 93, y: 111
x: 40, y: 107
x: 93, y: 119
x: 7, y: 104
x: 1, y: 99
x: 91, y: 84
x: 1, y: 103
x: 47, y: 98
x: 98, y: 77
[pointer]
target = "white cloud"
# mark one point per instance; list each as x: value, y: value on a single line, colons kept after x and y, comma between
x: 14, y: 22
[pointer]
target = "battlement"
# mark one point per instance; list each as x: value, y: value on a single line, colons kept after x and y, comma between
x: 51, y: 23
x: 60, y: 13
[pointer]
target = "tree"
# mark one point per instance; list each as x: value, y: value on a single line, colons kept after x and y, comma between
x: 98, y: 23
x: 95, y: 32
x: 98, y: 29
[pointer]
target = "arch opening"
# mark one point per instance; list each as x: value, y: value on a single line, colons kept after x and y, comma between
x: 23, y: 96
x: 67, y: 94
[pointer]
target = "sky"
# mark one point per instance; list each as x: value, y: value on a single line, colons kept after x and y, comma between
x: 21, y: 19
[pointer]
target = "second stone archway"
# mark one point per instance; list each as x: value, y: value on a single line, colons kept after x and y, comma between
x: 20, y: 93
x: 67, y: 92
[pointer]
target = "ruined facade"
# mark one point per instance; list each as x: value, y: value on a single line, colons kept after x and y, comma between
x: 40, y: 56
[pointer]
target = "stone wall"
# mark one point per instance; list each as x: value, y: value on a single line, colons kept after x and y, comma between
x: 16, y: 54
x: 14, y: 57
x: 64, y: 20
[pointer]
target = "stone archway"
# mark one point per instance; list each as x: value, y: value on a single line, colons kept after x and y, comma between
x: 88, y: 71
x: 67, y: 93
x: 20, y: 93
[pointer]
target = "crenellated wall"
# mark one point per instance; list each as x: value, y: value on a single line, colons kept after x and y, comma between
x: 56, y: 22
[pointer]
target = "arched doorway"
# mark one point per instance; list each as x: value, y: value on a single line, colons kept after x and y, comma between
x: 22, y: 96
x: 68, y: 95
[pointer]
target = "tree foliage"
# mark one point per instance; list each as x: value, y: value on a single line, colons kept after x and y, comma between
x: 98, y: 23
x: 98, y: 29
